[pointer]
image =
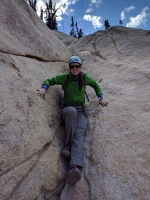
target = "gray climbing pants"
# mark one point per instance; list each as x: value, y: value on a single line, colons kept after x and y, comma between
x: 75, y: 126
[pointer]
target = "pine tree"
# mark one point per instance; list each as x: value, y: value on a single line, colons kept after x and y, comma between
x: 121, y: 22
x: 50, y: 15
x: 33, y: 4
x: 106, y: 24
x: 80, y: 33
x: 41, y: 14
x: 72, y: 32
x: 75, y: 32
x: 76, y: 26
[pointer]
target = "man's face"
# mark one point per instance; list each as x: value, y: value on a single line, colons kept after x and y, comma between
x: 75, y: 68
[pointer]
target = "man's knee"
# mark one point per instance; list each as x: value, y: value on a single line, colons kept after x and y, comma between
x: 71, y: 111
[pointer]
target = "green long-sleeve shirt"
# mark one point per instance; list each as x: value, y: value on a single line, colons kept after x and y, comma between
x: 72, y: 92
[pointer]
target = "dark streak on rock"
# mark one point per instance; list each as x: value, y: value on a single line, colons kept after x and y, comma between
x: 97, y: 53
x: 115, y: 45
x: 2, y: 125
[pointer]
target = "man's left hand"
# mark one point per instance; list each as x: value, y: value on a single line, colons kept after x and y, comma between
x: 103, y: 102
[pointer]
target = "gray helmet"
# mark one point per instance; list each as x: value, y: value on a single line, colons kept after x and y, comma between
x: 75, y: 59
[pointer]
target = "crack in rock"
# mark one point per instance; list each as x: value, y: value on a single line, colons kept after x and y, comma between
x: 33, y: 57
x: 97, y: 53
x: 115, y: 45
x: 12, y: 65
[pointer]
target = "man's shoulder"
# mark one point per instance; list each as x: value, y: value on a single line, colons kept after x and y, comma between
x: 62, y: 75
x: 86, y: 76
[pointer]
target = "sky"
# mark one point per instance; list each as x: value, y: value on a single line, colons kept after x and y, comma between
x: 91, y: 14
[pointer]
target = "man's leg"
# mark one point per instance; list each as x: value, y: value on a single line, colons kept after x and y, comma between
x: 69, y: 115
x: 78, y: 140
x: 76, y: 159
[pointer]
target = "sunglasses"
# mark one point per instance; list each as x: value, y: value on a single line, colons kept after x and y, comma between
x: 74, y: 66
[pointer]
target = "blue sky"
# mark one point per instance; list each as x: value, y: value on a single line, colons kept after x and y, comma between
x: 91, y: 14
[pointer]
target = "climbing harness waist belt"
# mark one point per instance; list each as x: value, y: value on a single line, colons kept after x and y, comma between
x: 74, y: 105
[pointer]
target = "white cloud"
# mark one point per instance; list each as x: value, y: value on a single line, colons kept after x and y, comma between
x: 65, y: 1
x: 96, y: 2
x: 64, y: 7
x: 89, y: 10
x: 129, y: 8
x: 139, y: 19
x: 96, y: 20
x: 122, y: 15
x: 93, y: 3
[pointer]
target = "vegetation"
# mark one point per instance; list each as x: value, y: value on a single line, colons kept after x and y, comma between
x: 50, y: 15
x: 50, y: 12
x: 106, y: 24
x: 75, y: 32
x: 41, y: 13
x: 33, y: 4
x: 121, y: 22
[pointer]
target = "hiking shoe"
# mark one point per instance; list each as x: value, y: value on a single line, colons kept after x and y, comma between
x: 66, y: 151
x: 74, y: 175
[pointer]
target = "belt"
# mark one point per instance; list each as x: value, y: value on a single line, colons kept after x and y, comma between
x: 73, y: 104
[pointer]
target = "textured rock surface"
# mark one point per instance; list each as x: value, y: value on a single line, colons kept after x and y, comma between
x: 23, y: 33
x: 117, y: 159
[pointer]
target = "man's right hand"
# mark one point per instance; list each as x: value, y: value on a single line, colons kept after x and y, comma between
x: 41, y: 92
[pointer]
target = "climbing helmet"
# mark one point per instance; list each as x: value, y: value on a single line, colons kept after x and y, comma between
x: 75, y: 59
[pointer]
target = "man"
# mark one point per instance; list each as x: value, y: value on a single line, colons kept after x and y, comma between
x: 74, y: 112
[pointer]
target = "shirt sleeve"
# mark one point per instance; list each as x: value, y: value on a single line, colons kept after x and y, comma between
x: 56, y: 80
x: 94, y: 84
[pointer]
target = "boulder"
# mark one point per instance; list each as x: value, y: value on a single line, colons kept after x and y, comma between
x: 25, y: 34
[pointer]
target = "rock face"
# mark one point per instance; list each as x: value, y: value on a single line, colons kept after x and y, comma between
x: 117, y: 159
x: 24, y: 34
